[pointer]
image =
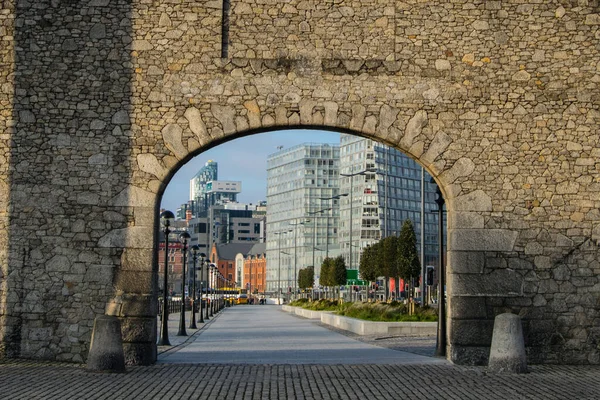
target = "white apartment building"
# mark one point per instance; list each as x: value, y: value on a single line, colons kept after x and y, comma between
x: 302, y: 211
x: 379, y: 203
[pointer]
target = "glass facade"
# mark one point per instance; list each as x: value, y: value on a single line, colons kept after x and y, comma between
x: 302, y: 214
x: 198, y: 185
x: 380, y: 201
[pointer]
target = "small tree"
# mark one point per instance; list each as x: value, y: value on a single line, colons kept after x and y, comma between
x: 409, y: 266
x: 338, y: 275
x: 306, y: 277
x: 325, y: 278
x: 368, y: 264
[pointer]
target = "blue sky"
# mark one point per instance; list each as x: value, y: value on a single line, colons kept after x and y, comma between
x: 244, y: 160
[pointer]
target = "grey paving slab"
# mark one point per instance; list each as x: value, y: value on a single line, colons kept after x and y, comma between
x: 266, y: 335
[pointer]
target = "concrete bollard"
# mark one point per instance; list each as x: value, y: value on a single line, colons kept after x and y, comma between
x: 507, y: 353
x: 106, y: 349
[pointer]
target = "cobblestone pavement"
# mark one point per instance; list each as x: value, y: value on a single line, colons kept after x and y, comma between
x: 39, y: 380
x: 22, y: 379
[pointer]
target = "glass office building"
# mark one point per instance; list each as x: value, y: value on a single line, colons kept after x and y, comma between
x: 303, y: 214
x: 378, y: 203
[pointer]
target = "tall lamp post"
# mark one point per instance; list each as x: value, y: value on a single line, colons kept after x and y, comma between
x: 351, y: 176
x: 166, y: 217
x: 295, y: 225
x: 194, y: 249
x: 183, y: 238
x: 336, y: 197
x: 206, y: 307
x: 440, y: 349
x: 279, y: 267
x: 202, y: 256
x: 212, y: 291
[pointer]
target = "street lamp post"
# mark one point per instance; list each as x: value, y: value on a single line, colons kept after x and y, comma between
x: 183, y: 238
x: 166, y: 218
x: 202, y: 256
x: 279, y: 267
x: 440, y: 349
x: 351, y: 176
x: 206, y: 307
x: 194, y: 249
x: 211, y: 284
x: 336, y: 197
x: 295, y: 286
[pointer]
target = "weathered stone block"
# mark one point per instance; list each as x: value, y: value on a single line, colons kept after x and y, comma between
x: 496, y: 283
x: 468, y: 308
x: 471, y: 332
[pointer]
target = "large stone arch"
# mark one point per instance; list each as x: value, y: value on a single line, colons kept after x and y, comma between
x: 504, y: 117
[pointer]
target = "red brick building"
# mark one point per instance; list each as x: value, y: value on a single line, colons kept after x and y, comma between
x: 255, y: 269
x: 224, y: 257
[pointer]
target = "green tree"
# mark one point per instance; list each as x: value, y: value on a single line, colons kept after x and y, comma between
x: 371, y: 263
x: 389, y: 256
x: 326, y: 273
x: 409, y: 266
x: 338, y: 275
x: 306, y: 277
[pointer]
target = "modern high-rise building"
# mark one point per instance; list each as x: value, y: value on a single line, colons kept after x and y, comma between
x: 302, y: 210
x: 379, y: 202
x: 198, y: 185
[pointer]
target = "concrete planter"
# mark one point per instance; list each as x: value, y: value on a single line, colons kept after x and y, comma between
x: 302, y: 312
x: 361, y: 327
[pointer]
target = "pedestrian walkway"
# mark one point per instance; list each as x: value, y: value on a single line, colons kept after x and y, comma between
x: 174, y: 322
x: 266, y: 335
x: 22, y: 379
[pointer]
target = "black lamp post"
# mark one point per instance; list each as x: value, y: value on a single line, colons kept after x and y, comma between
x: 183, y: 238
x: 195, y: 248
x: 202, y: 255
x: 166, y: 217
x: 211, y: 284
x: 440, y: 349
x: 206, y: 311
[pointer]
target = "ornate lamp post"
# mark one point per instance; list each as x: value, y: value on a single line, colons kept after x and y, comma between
x: 195, y: 248
x: 206, y: 289
x: 183, y: 238
x: 202, y: 256
x: 166, y: 217
x: 212, y: 292
x: 351, y: 176
x: 440, y: 348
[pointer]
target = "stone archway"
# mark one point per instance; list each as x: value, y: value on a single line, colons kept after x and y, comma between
x: 503, y: 117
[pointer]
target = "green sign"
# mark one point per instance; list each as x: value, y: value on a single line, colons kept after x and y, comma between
x: 352, y: 278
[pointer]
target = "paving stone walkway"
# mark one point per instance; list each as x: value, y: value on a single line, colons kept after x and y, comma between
x: 22, y: 379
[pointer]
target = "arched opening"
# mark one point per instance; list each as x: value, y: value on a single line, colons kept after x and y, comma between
x: 326, y: 194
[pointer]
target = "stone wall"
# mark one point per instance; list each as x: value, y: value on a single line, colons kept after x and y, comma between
x: 497, y: 99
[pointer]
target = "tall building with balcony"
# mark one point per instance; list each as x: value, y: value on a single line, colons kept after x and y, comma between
x: 378, y: 203
x: 301, y: 224
x: 198, y: 186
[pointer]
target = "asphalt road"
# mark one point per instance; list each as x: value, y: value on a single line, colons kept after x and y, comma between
x: 266, y: 335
